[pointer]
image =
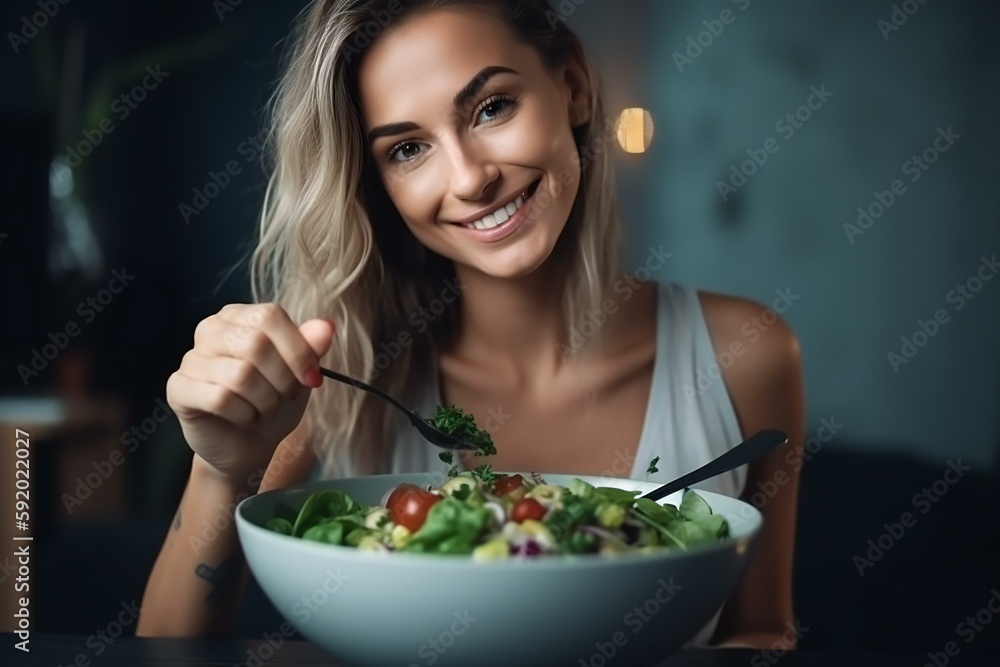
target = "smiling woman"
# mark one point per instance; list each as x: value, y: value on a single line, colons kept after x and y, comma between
x: 435, y: 147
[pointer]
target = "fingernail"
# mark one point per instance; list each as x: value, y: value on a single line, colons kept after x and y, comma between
x: 313, y: 377
x: 331, y: 323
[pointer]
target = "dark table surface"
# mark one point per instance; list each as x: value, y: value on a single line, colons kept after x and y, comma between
x: 66, y: 650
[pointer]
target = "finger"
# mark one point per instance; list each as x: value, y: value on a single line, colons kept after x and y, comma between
x: 193, y: 398
x: 237, y: 375
x: 287, y: 340
x: 318, y: 334
x: 237, y: 333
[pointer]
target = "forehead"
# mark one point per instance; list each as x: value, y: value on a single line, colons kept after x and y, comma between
x: 429, y: 58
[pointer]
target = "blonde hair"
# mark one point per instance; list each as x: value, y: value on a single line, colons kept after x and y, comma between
x: 320, y: 256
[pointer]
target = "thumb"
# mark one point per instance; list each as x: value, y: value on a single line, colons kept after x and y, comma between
x: 319, y: 335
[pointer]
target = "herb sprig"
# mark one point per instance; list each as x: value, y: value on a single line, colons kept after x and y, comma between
x: 457, y: 424
x: 652, y: 469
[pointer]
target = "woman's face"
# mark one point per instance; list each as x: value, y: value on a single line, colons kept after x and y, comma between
x: 463, y: 120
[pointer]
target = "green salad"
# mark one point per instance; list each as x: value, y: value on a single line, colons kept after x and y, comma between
x: 493, y: 516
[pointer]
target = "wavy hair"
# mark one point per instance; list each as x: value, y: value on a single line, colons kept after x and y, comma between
x: 318, y: 254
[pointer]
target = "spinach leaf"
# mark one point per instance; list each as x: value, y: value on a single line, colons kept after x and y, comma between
x: 279, y: 525
x: 694, y: 506
x: 616, y: 496
x: 671, y: 538
x: 662, y: 514
x: 328, y: 533
x: 700, y: 531
x: 578, y: 487
x: 323, y: 505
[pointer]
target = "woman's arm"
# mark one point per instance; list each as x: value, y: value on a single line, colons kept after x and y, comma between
x: 196, y: 586
x: 766, y: 387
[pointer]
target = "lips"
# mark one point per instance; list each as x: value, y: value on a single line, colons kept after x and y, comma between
x: 503, y: 212
x: 511, y: 225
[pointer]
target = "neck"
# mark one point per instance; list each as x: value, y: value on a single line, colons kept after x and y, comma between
x: 514, y: 323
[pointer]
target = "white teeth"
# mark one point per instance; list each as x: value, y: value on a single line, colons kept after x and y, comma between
x: 499, y: 217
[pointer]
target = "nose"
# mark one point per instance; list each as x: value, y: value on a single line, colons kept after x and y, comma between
x: 471, y: 172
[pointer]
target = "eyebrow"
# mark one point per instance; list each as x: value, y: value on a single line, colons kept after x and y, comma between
x: 469, y: 91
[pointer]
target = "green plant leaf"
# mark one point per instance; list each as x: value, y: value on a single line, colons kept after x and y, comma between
x: 694, y: 506
x: 616, y: 496
x: 661, y: 514
x: 323, y: 505
x: 279, y: 525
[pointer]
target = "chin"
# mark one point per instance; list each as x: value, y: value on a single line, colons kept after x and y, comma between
x: 517, y: 260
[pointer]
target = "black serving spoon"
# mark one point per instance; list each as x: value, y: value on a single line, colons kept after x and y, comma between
x: 749, y: 450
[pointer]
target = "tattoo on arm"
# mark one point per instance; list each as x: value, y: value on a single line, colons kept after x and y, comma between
x: 222, y: 578
x: 177, y: 520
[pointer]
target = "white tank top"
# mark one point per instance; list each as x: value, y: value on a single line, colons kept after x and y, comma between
x: 687, y: 423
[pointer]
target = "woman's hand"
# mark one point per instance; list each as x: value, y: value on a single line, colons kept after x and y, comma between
x: 245, y: 385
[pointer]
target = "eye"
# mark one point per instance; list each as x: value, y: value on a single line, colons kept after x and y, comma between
x: 495, y: 108
x: 408, y: 149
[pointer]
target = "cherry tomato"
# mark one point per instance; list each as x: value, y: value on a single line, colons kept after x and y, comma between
x: 529, y: 508
x: 408, y: 505
x: 508, y: 484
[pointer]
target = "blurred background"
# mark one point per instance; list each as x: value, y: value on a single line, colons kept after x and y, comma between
x: 836, y: 158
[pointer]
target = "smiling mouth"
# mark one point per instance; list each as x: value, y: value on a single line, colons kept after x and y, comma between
x: 503, y: 214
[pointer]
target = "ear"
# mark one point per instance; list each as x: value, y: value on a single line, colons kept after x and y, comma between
x: 579, y: 87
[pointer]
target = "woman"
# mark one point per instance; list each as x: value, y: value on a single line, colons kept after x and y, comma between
x: 442, y: 219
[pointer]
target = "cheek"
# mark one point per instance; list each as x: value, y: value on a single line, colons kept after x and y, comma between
x: 413, y: 198
x: 546, y: 141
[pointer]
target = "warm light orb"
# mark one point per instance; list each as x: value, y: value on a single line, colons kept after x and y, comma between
x: 635, y: 130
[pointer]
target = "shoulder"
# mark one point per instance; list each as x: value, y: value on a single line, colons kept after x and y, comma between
x: 759, y: 356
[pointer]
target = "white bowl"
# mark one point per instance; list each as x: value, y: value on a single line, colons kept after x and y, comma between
x: 406, y: 609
